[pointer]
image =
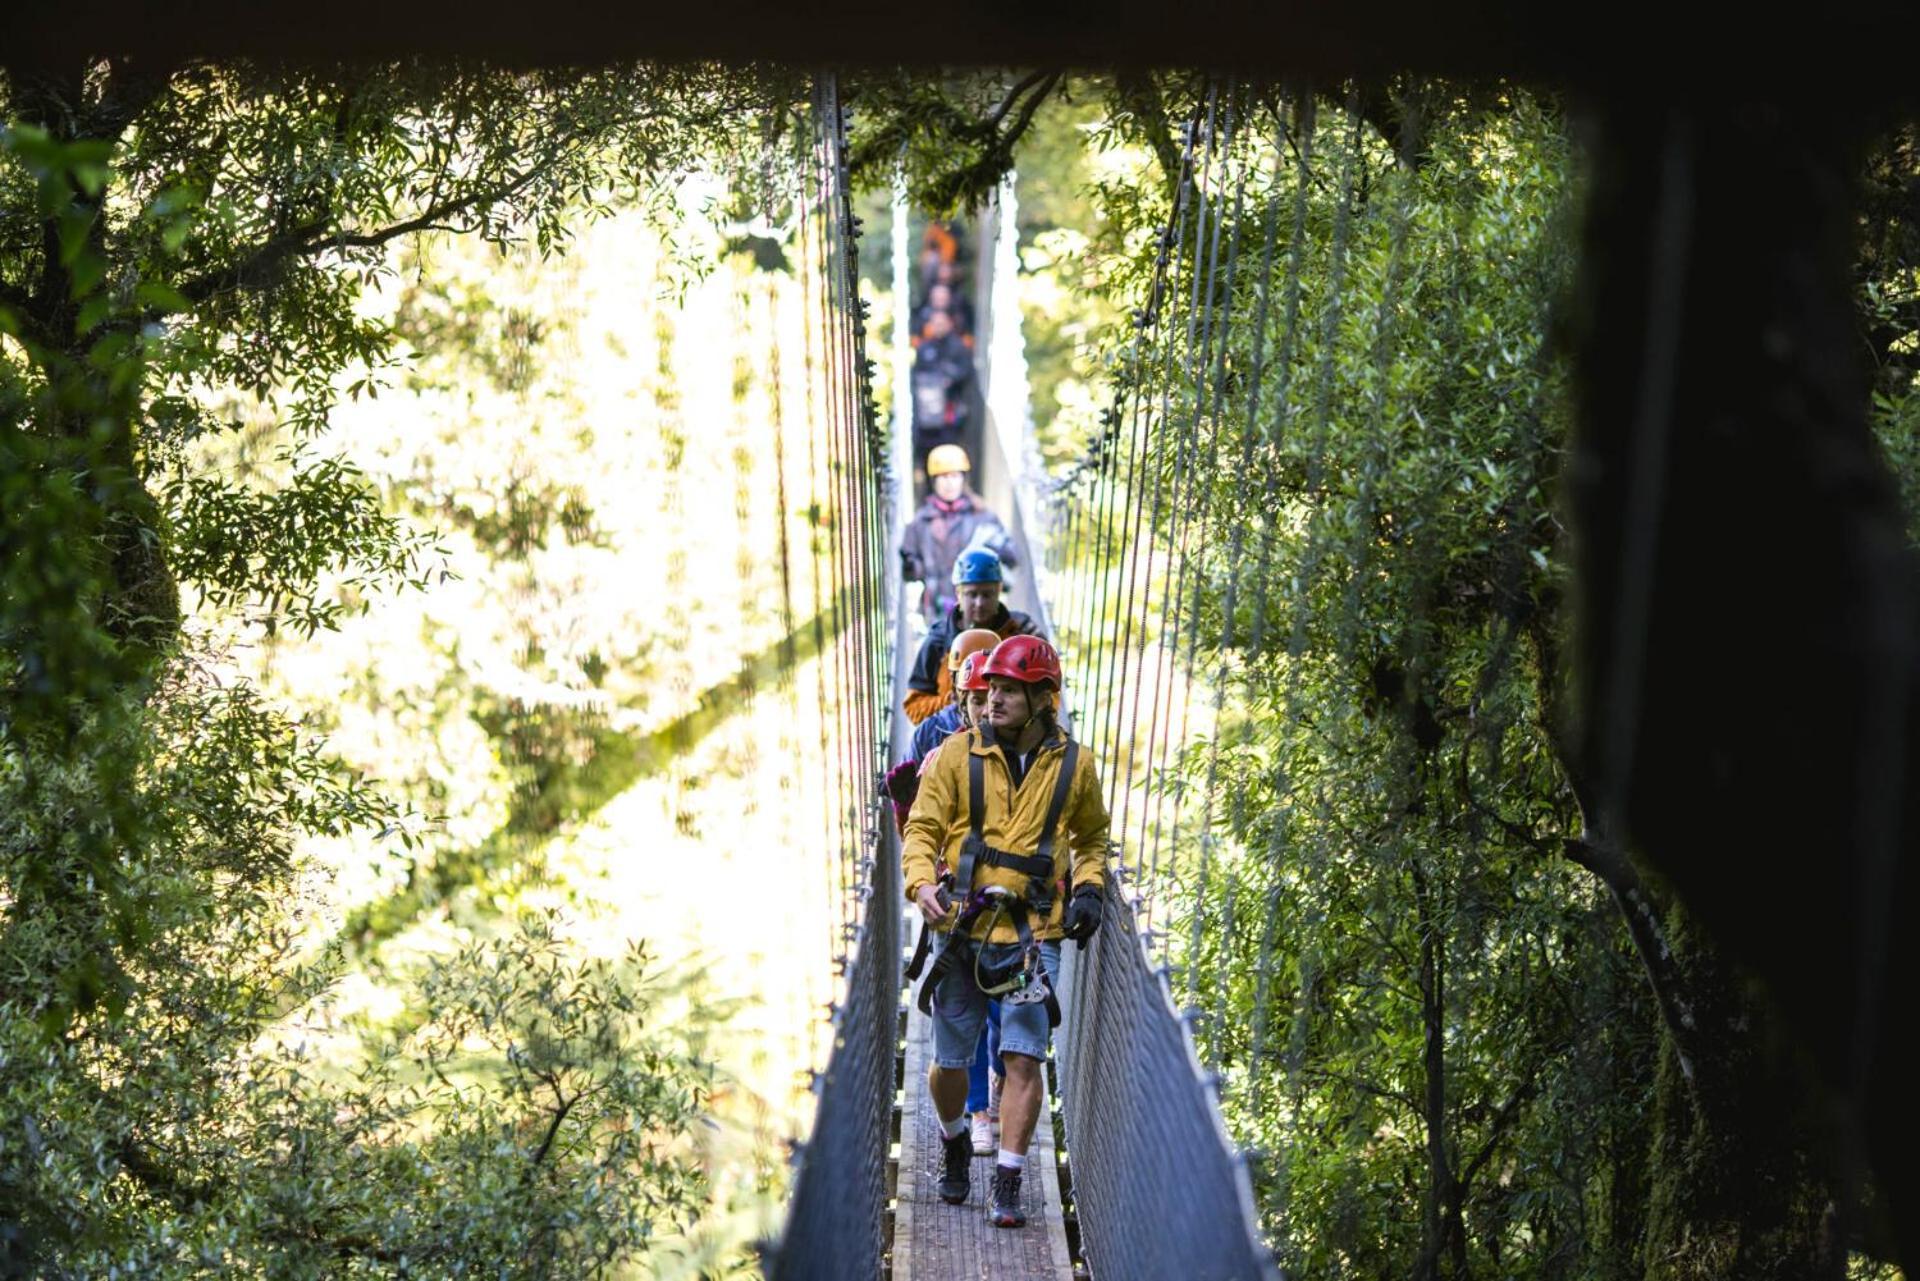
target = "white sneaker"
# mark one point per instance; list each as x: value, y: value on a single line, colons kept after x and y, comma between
x: 983, y: 1144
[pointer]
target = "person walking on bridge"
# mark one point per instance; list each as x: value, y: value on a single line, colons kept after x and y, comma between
x: 942, y: 383
x: 904, y: 779
x: 1020, y: 817
x: 950, y: 520
x: 977, y: 581
x: 970, y: 691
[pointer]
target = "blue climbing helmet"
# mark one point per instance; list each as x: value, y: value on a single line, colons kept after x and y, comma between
x: 977, y: 565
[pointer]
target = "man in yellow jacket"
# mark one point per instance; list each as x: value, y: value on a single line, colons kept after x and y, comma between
x: 1018, y: 814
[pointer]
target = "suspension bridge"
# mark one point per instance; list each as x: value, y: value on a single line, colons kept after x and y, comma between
x: 1132, y: 1173
x: 1712, y: 400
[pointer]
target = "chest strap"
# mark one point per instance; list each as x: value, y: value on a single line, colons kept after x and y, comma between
x: 957, y: 946
x: 974, y: 850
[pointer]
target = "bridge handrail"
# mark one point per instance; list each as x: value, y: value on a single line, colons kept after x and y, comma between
x: 1160, y: 1188
x: 836, y: 1220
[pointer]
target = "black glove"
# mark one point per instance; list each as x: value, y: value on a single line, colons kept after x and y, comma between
x: 1083, y: 915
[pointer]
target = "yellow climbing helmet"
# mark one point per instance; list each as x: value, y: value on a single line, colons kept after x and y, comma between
x: 947, y: 458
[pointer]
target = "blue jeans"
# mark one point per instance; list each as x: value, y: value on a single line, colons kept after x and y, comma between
x: 989, y: 1056
x: 960, y: 1008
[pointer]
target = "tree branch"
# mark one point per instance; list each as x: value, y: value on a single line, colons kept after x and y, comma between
x: 26, y: 317
x: 1363, y: 1086
x: 318, y: 234
x: 553, y: 1131
x: 1642, y: 915
x: 999, y: 113
x: 1141, y: 97
x: 1025, y: 118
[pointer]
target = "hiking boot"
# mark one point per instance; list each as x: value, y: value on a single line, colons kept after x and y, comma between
x: 1005, y: 1211
x: 983, y: 1144
x: 956, y: 1180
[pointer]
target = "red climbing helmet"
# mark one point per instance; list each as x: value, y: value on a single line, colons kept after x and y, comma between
x: 972, y: 675
x: 1027, y: 659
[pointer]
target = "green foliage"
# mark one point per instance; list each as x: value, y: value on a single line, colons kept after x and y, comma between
x: 1063, y: 246
x: 1410, y: 933
x: 194, y: 250
x: 295, y: 552
x: 1406, y: 970
x: 533, y: 1127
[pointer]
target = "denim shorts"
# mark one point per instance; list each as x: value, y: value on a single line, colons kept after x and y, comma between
x: 960, y: 1010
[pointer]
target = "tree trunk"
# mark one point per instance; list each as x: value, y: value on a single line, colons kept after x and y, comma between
x: 1443, y: 1226
x: 1749, y: 600
x: 1735, y: 1190
x: 93, y: 407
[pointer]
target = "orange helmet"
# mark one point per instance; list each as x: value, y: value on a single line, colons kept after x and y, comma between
x: 974, y: 640
x: 972, y: 673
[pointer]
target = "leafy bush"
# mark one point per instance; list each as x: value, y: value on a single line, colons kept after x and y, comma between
x: 532, y: 1123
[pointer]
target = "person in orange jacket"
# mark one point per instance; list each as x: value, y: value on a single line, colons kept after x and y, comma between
x: 903, y: 780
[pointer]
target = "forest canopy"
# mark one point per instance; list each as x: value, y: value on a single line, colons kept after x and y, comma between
x: 1464, y: 1027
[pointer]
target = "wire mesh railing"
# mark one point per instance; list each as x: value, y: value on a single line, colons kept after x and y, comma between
x: 836, y: 1221
x: 1158, y: 1184
x: 1159, y: 1191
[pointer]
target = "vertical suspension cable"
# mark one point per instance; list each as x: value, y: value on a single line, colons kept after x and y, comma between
x: 1108, y: 484
x: 1217, y: 352
x: 1229, y: 613
x: 1283, y: 362
x: 836, y: 1218
x: 1105, y: 487
x: 804, y: 235
x: 1139, y: 592
x: 1296, y: 647
x: 835, y: 514
x: 1086, y: 607
x: 788, y: 675
x: 1196, y: 609
x: 1114, y: 470
x: 840, y: 515
x: 1304, y: 128
x: 832, y: 421
x: 1166, y: 642
x: 1138, y: 527
x: 864, y: 445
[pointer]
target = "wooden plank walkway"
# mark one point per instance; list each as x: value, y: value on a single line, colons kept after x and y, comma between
x: 934, y: 1241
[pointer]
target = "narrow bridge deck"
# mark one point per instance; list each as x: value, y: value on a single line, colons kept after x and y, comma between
x: 934, y: 1241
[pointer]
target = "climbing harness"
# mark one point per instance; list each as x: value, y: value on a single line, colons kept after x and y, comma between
x: 1023, y: 980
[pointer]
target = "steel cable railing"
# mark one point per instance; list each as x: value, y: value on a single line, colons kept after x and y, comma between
x: 836, y: 1220
x: 1158, y: 1189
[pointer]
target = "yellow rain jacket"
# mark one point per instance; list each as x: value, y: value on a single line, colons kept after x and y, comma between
x: 940, y: 821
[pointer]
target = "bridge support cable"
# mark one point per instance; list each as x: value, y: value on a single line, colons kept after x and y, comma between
x: 1207, y: 390
x: 1154, y: 547
x: 1270, y: 435
x: 836, y: 1220
x: 1147, y: 1146
x: 1124, y: 539
x: 1186, y: 482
